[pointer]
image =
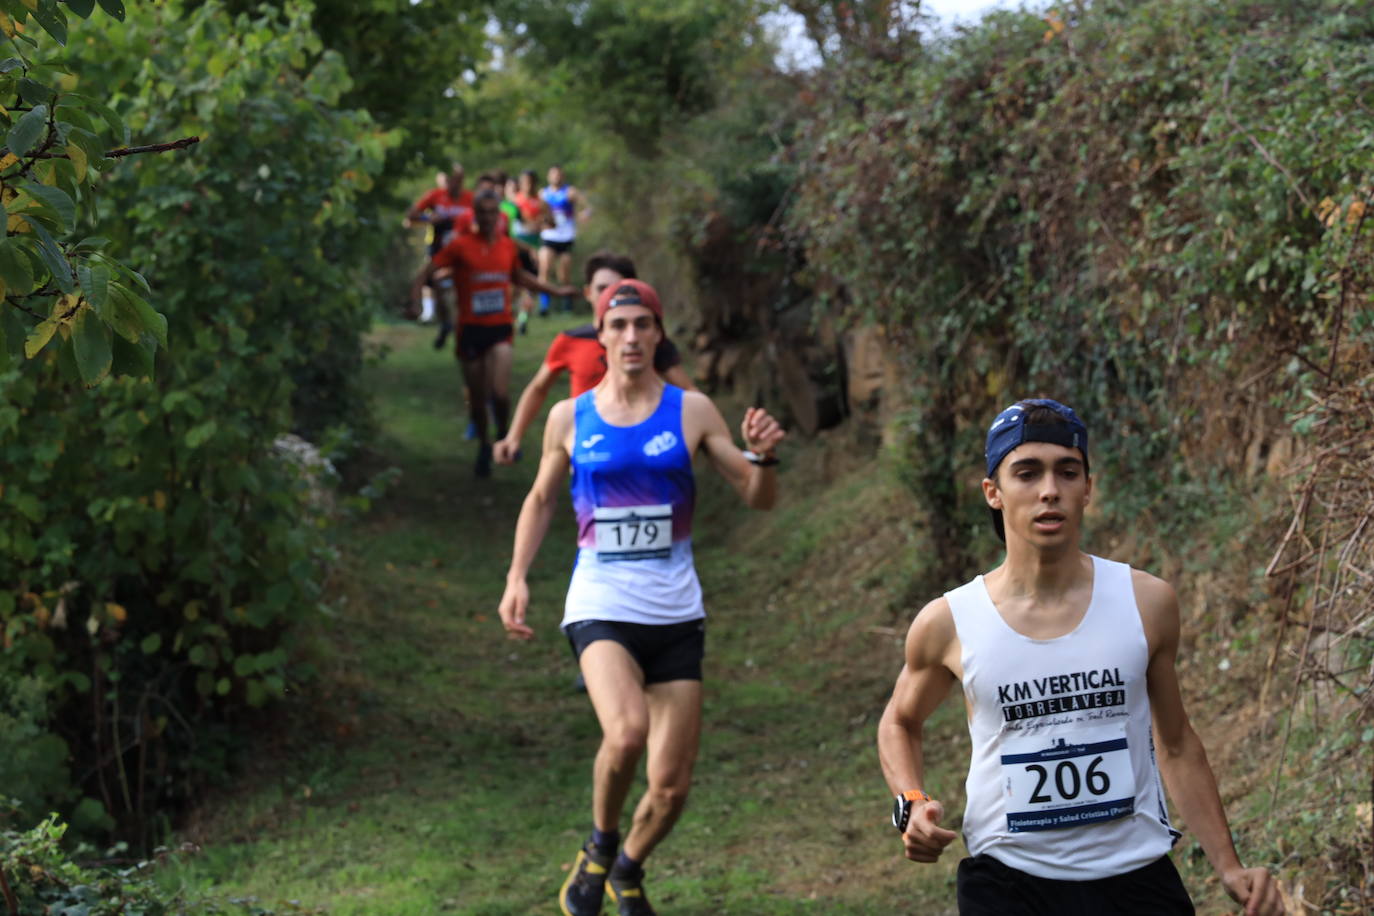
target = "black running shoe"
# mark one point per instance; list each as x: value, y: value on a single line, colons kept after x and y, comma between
x: 627, y: 892
x: 445, y: 329
x: 483, y: 466
x: 581, y: 894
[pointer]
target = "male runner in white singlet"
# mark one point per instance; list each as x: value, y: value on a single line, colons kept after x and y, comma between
x: 1066, y: 662
x: 633, y: 613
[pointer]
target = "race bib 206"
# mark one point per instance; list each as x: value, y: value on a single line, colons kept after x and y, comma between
x: 1071, y: 780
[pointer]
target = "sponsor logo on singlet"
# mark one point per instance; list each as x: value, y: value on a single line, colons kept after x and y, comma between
x: 1079, y: 691
x: 660, y: 444
x: 592, y: 440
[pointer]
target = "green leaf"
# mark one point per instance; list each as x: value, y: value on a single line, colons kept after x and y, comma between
x: 82, y: 8
x: 114, y: 8
x: 75, y: 116
x: 34, y: 92
x: 80, y: 161
x: 151, y: 643
x: 38, y: 338
x: 123, y: 315
x: 52, y: 19
x: 199, y: 434
x: 11, y: 63
x: 94, y: 147
x: 26, y: 131
x: 95, y: 283
x: 91, y: 243
x: 52, y: 255
x: 134, y: 359
x: 148, y: 318
x: 15, y: 268
x: 60, y: 201
x: 115, y: 123
x: 91, y: 345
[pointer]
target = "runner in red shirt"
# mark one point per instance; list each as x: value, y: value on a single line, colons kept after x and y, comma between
x: 578, y: 352
x: 485, y: 263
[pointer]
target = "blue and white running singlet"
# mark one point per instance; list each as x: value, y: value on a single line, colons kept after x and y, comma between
x: 561, y: 206
x: 634, y: 494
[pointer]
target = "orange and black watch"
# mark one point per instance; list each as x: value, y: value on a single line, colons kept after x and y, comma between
x: 901, y: 807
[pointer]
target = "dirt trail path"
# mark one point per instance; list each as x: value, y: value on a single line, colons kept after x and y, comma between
x: 447, y: 769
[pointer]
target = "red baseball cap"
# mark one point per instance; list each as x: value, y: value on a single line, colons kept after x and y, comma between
x: 628, y: 292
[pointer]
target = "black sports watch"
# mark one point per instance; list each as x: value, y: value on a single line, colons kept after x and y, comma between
x: 901, y: 807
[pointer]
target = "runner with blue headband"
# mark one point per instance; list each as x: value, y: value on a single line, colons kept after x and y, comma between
x: 1067, y: 663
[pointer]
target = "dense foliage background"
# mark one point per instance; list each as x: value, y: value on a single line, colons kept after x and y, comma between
x: 1156, y: 211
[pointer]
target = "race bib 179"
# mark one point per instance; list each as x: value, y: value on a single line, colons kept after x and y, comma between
x: 1084, y: 777
x: 633, y: 532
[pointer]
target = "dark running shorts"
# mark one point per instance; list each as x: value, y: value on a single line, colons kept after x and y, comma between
x: 474, y: 340
x: 665, y: 652
x: 527, y: 262
x: 558, y: 247
x: 986, y: 887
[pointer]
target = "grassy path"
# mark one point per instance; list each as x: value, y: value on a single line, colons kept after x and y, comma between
x: 438, y: 768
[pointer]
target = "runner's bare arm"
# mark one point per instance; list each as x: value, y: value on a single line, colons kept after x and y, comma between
x: 758, y: 486
x: 443, y: 258
x: 535, y: 515
x: 1182, y: 758
x: 531, y: 399
x: 582, y: 211
x: 522, y: 277
x: 923, y: 683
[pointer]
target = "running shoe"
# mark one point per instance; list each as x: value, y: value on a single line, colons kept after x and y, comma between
x: 524, y: 322
x: 445, y: 329
x: 581, y: 894
x: 627, y: 892
x: 483, y: 466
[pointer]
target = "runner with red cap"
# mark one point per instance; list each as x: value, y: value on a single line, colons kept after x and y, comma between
x: 633, y: 614
x: 578, y: 352
x: 1067, y: 667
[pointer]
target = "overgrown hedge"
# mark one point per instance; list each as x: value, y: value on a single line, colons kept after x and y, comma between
x: 154, y: 548
x: 1133, y: 211
x: 1157, y: 212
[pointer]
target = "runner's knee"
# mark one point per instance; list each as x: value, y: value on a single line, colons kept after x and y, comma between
x: 626, y: 741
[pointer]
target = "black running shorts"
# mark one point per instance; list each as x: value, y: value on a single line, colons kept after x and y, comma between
x: 474, y: 340
x: 986, y: 887
x: 665, y: 652
x: 558, y: 247
x: 527, y: 262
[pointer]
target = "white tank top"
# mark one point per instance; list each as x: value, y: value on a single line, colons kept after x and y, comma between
x: 1062, y: 782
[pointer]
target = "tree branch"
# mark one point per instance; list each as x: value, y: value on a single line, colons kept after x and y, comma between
x: 183, y: 143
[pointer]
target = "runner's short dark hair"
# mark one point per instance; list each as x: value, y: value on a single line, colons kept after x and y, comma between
x: 1035, y: 415
x: 620, y: 263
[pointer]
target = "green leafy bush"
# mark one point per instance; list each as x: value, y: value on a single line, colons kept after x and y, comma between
x: 155, y: 548
x: 38, y: 877
x: 1131, y: 210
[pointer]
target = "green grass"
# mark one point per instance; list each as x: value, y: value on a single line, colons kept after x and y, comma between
x: 435, y: 767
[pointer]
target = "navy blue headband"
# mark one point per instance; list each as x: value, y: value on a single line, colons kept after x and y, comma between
x: 1010, y: 429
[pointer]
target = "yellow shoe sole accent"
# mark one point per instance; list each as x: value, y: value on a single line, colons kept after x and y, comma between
x: 592, y: 867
